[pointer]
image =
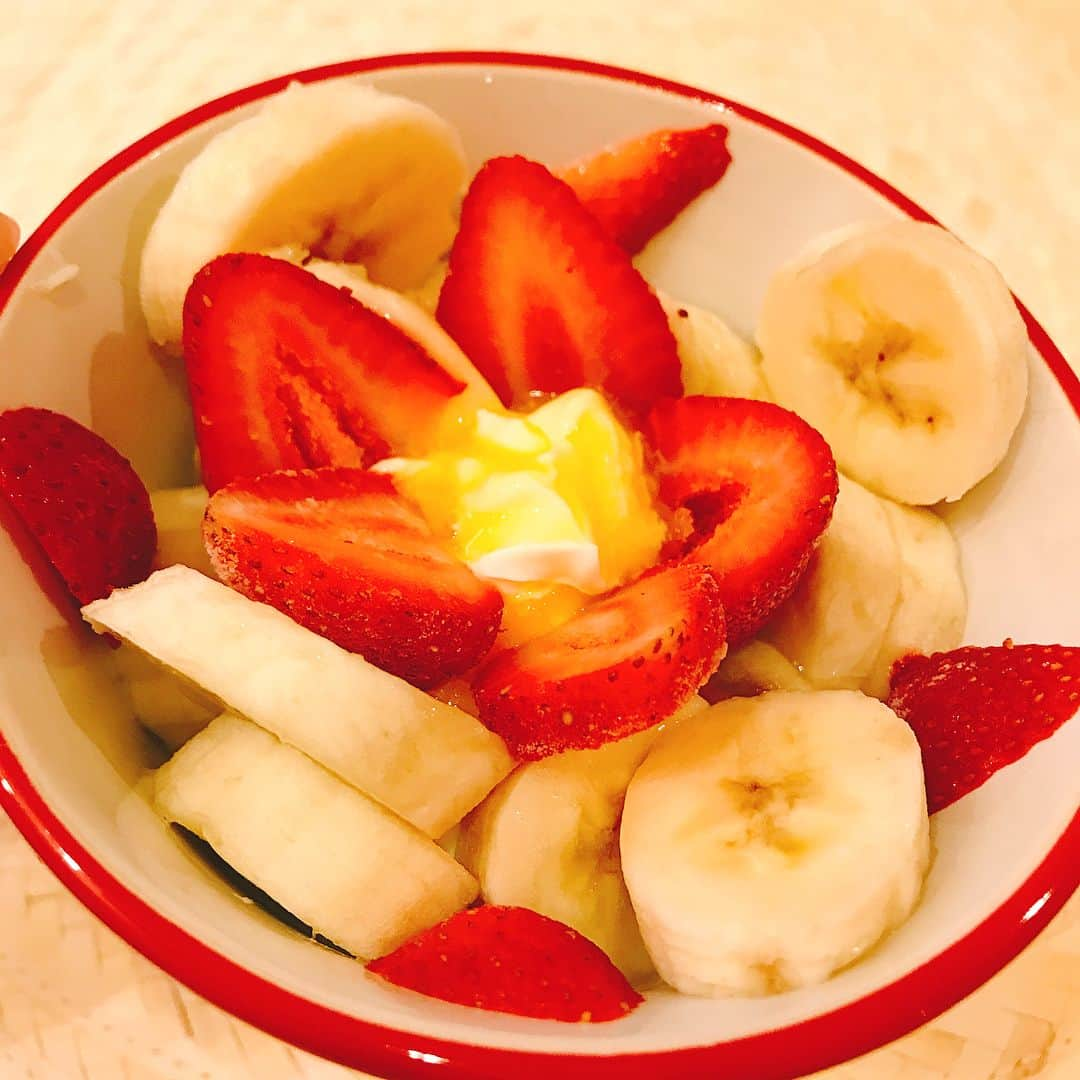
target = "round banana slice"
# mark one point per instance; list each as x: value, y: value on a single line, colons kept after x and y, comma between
x: 547, y: 838
x: 771, y: 841
x: 337, y: 168
x: 715, y: 360
x: 753, y: 669
x: 178, y: 515
x: 905, y: 349
x: 426, y: 294
x: 173, y: 710
x: 931, y: 607
x: 834, y: 624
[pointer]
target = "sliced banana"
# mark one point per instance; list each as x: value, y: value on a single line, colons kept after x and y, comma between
x: 905, y: 349
x: 174, y: 710
x: 754, y: 669
x: 336, y: 168
x: 833, y: 626
x: 715, y: 360
x: 457, y: 692
x: 411, y: 319
x: 931, y: 607
x: 178, y: 514
x: 426, y: 295
x: 427, y: 761
x: 772, y: 840
x: 345, y: 865
x: 547, y: 838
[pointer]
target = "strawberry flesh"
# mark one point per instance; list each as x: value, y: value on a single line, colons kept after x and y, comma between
x: 511, y: 960
x: 639, y: 187
x: 753, y: 487
x: 975, y: 710
x: 79, y: 498
x: 288, y: 372
x: 542, y: 300
x: 625, y: 663
x: 341, y: 552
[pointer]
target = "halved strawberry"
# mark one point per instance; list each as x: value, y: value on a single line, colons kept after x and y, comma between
x: 541, y: 299
x: 342, y: 553
x: 757, y: 485
x: 639, y: 187
x: 287, y: 371
x: 81, y: 500
x: 975, y: 710
x: 628, y: 661
x: 511, y: 960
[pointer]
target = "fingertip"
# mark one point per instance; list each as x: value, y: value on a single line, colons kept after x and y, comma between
x: 9, y: 238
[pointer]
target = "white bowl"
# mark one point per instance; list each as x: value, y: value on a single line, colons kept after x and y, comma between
x: 1007, y: 856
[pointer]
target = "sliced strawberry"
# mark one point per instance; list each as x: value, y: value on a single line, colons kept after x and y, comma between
x: 628, y: 661
x: 288, y: 372
x: 757, y: 486
x: 340, y: 552
x: 639, y: 187
x: 541, y: 299
x: 81, y: 500
x: 511, y: 960
x: 975, y: 710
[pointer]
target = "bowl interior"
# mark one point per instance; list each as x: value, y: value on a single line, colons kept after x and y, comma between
x: 81, y: 349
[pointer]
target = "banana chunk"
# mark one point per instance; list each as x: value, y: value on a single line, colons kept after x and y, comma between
x: 931, y: 607
x: 905, y: 349
x: 547, y: 838
x: 425, y: 760
x: 753, y: 669
x: 337, y: 168
x: 178, y: 514
x: 771, y: 841
x: 172, y: 708
x: 715, y: 360
x: 833, y: 626
x: 426, y: 295
x: 348, y: 867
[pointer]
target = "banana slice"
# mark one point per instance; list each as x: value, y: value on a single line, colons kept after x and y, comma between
x: 715, y: 360
x: 336, y: 168
x: 772, y: 840
x: 754, y: 669
x: 175, y: 711
x: 427, y: 761
x: 547, y: 838
x: 426, y: 295
x: 178, y: 514
x: 905, y: 349
x: 409, y: 317
x: 833, y: 627
x: 345, y: 865
x: 931, y: 608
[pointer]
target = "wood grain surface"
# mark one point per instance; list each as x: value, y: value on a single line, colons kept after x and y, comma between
x: 970, y: 107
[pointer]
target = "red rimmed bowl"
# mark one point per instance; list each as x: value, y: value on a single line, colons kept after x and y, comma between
x: 1007, y: 857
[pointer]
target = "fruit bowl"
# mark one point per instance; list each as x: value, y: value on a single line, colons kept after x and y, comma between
x: 71, y: 761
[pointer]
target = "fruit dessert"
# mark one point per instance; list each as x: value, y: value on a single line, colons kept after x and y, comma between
x: 617, y: 636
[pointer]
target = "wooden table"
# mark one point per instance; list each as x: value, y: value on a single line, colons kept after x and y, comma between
x: 970, y: 107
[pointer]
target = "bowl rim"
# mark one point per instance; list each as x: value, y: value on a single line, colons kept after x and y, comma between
x: 778, y: 1054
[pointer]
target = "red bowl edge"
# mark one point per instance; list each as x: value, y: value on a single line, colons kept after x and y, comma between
x: 781, y: 1054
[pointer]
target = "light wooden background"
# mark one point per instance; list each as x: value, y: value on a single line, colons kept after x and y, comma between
x: 970, y: 106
